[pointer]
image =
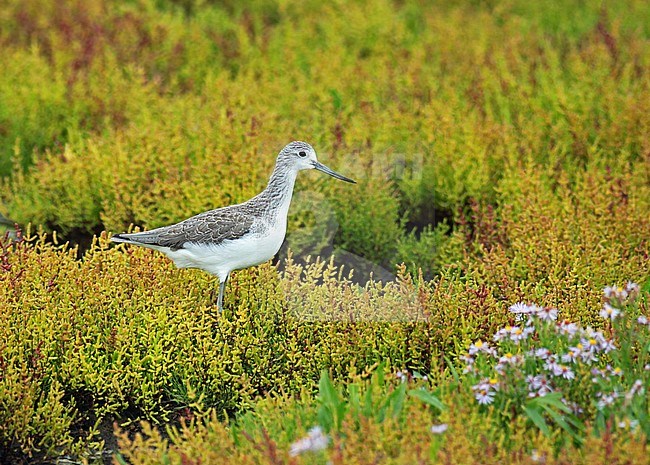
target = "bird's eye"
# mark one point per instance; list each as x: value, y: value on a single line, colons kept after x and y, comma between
x: 302, y: 154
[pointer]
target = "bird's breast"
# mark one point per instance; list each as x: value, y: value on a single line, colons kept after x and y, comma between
x: 270, y: 239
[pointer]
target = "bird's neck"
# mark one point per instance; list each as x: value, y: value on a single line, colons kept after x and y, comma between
x: 279, y: 190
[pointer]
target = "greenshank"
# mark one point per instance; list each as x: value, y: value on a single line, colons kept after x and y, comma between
x: 238, y: 236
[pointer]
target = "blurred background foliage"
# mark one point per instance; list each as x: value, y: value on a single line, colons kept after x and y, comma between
x: 502, y: 150
x: 119, y: 113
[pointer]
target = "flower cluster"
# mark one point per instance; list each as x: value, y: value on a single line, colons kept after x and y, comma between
x: 315, y: 440
x: 485, y: 390
x: 538, y: 386
x: 616, y: 297
x: 608, y: 312
x: 527, y: 312
x: 515, y: 334
x: 481, y: 346
x: 526, y: 315
x: 508, y: 360
x: 557, y: 369
x: 537, y: 355
x: 439, y: 428
x: 567, y: 328
x: 622, y: 295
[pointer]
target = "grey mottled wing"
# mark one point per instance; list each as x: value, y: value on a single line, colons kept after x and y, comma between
x: 211, y: 227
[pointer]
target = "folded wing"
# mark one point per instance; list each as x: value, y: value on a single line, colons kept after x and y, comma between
x: 211, y: 227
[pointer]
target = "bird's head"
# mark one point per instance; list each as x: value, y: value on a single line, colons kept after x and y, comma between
x: 300, y: 155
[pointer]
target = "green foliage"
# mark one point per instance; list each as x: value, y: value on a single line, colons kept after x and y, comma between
x: 561, y: 372
x: 110, y: 332
x: 379, y: 423
x: 170, y: 102
x: 34, y: 112
x: 332, y: 408
x: 431, y: 250
x: 551, y: 406
x: 501, y: 150
x: 375, y: 400
x: 123, y: 330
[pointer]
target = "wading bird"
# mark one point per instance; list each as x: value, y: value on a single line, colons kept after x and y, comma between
x: 238, y: 236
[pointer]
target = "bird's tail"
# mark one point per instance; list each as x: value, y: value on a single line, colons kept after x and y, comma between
x: 143, y: 239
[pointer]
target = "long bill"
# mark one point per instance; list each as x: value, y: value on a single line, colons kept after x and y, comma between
x: 334, y: 174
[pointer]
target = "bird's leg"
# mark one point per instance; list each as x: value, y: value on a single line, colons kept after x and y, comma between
x: 222, y: 289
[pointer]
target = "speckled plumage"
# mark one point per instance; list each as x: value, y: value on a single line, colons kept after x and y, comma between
x: 211, y: 227
x: 238, y: 236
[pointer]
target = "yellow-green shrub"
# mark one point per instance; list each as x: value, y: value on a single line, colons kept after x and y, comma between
x: 179, y: 109
x: 525, y: 126
x: 403, y: 436
x: 124, y: 329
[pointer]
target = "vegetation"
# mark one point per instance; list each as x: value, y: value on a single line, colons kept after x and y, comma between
x: 502, y: 151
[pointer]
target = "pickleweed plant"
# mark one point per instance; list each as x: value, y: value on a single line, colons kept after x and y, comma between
x: 551, y: 369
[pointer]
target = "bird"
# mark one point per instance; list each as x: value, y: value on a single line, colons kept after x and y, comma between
x: 237, y: 236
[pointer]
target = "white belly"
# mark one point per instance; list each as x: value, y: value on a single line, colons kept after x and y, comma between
x: 220, y: 260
